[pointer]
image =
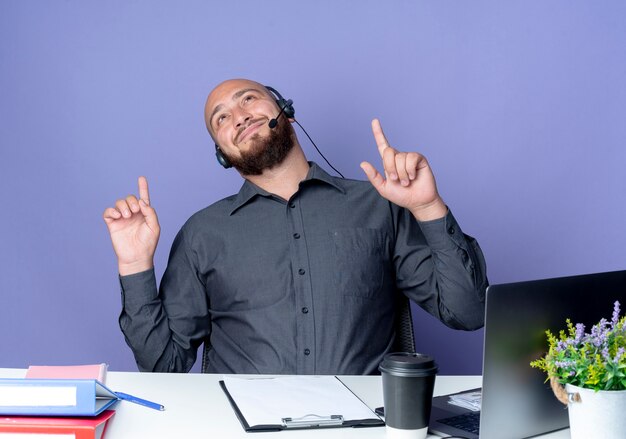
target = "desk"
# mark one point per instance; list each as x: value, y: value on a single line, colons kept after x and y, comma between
x: 196, y: 407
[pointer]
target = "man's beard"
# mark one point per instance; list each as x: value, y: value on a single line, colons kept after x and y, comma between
x: 265, y: 153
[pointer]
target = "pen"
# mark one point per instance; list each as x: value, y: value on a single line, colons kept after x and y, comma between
x: 144, y: 402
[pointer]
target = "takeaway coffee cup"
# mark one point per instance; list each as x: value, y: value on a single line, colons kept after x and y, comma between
x: 408, y: 383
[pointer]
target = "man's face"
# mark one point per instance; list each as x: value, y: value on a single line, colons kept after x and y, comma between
x: 237, y: 114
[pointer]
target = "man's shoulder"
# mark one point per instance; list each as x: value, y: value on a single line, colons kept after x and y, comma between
x: 359, y: 189
x: 211, y: 214
x: 350, y: 183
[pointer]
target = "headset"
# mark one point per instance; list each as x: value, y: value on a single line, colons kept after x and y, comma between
x: 285, y: 105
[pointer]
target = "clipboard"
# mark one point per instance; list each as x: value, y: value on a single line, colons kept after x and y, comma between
x: 296, y: 402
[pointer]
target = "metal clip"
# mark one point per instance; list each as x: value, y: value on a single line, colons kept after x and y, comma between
x: 312, y: 420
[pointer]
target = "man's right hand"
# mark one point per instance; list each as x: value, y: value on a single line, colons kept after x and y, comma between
x: 134, y: 229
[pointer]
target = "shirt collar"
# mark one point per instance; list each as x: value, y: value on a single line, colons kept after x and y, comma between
x: 249, y: 190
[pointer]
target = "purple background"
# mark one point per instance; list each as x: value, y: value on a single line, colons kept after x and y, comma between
x: 520, y: 107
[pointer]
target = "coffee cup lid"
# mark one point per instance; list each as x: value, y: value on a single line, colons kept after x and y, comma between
x: 408, y: 364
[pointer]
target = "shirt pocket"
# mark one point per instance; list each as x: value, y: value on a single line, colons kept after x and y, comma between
x: 359, y: 261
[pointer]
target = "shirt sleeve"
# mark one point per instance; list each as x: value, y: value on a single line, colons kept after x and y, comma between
x: 441, y: 269
x: 164, y: 329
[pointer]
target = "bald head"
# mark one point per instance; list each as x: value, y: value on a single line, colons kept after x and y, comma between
x: 227, y: 93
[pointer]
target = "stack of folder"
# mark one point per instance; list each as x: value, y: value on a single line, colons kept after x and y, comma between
x: 77, y: 428
x: 66, y: 400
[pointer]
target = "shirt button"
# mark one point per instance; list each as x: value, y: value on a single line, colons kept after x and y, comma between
x: 451, y: 230
x: 292, y: 205
x: 305, y: 310
x: 301, y: 271
x: 296, y: 235
x: 307, y: 352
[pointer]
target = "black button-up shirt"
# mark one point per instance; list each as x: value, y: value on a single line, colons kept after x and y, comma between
x: 303, y: 286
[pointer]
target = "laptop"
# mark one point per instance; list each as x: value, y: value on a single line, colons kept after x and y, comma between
x: 516, y: 400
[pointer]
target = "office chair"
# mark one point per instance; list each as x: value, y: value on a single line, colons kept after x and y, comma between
x: 405, y: 337
x: 404, y: 341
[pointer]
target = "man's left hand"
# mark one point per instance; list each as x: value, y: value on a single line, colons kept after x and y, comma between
x: 408, y: 182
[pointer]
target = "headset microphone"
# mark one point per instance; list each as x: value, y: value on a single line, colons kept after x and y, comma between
x: 274, y: 122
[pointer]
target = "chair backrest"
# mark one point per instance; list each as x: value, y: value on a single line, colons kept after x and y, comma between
x: 405, y: 337
x: 205, y: 355
x: 404, y: 341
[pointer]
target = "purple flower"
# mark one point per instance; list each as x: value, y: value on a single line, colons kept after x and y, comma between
x: 618, y: 355
x: 564, y: 364
x: 580, y: 332
x: 599, y: 333
x: 616, y: 310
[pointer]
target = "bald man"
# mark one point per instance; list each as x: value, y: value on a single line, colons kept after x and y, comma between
x: 298, y: 272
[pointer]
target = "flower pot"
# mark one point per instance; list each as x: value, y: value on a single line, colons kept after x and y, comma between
x: 596, y: 414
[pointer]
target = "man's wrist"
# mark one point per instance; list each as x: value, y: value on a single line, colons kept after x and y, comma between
x: 135, y: 267
x: 431, y: 211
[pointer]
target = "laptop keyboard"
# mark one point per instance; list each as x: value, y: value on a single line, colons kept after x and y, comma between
x: 467, y: 422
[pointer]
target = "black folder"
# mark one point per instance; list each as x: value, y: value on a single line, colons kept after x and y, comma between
x: 307, y: 401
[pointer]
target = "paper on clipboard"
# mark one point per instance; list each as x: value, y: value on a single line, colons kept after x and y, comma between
x: 268, y: 401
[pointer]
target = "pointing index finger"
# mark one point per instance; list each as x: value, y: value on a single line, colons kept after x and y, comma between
x: 379, y: 136
x: 144, y: 194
